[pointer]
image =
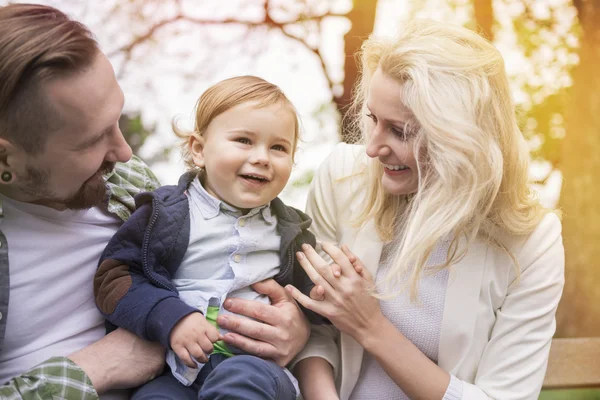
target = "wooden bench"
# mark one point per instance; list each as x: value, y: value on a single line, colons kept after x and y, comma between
x: 574, y: 363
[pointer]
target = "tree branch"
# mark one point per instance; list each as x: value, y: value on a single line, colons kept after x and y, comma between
x: 316, y: 52
x: 268, y: 21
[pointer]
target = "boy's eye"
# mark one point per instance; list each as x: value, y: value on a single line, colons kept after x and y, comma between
x: 243, y: 140
x: 279, y: 147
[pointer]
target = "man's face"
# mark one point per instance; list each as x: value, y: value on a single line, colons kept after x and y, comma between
x: 69, y: 171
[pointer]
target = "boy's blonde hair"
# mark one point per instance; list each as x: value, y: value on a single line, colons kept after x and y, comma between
x: 473, y: 174
x: 227, y: 94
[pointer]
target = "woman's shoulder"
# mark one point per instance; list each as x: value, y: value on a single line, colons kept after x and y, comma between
x: 345, y: 160
x: 546, y: 237
x: 548, y: 229
x: 549, y: 225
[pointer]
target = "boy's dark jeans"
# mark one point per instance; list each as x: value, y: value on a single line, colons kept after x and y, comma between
x: 239, y: 377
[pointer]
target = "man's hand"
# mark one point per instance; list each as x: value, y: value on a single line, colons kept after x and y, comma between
x: 280, y: 330
x: 193, y: 336
x: 120, y: 360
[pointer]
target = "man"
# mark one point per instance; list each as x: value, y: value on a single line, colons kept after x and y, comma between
x: 67, y: 181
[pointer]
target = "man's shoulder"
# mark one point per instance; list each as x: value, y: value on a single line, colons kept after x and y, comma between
x: 126, y: 181
x: 134, y: 175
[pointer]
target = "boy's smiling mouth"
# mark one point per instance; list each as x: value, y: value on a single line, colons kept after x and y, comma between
x: 254, y: 180
x: 255, y: 177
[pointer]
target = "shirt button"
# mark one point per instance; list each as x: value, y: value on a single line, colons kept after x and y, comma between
x: 0, y: 316
x: 237, y: 258
x: 242, y: 222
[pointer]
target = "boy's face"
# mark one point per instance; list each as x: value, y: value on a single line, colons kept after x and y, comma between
x: 246, y: 153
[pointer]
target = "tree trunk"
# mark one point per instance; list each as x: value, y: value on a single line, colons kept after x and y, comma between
x: 484, y: 18
x: 362, y: 18
x: 578, y: 314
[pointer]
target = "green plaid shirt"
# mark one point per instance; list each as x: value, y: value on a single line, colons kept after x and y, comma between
x: 59, y: 377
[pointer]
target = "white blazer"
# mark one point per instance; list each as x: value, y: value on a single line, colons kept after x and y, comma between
x: 496, y: 330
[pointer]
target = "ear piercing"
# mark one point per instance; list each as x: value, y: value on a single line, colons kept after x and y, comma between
x: 6, y: 176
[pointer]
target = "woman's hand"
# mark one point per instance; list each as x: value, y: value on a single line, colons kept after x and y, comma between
x: 346, y: 299
x: 347, y: 302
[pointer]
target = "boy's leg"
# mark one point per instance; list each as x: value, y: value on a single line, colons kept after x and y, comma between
x: 164, y: 387
x: 247, y: 377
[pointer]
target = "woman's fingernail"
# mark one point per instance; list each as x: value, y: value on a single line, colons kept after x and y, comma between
x: 228, y: 303
x: 305, y: 246
x: 299, y: 255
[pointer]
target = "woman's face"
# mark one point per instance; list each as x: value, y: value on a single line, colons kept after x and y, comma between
x: 388, y: 139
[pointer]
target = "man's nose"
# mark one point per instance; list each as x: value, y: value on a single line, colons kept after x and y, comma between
x: 120, y: 150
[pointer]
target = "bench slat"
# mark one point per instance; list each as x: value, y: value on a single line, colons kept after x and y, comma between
x: 573, y: 363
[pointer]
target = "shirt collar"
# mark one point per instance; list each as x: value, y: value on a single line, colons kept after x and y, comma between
x: 210, y: 206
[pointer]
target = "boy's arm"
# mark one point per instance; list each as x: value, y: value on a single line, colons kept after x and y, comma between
x: 315, y: 378
x: 124, y: 292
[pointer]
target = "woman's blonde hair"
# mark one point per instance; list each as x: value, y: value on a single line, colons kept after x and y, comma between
x: 472, y: 158
x: 227, y: 94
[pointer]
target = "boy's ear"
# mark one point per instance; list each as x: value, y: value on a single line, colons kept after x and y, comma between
x: 196, y: 146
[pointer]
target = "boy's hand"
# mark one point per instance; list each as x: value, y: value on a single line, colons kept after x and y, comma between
x: 193, y: 336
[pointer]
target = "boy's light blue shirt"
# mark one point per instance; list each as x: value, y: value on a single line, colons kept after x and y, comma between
x: 228, y: 251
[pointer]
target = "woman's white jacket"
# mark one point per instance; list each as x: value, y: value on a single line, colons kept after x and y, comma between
x: 496, y: 330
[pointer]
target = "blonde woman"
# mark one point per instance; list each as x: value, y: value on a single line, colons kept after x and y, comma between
x: 456, y: 270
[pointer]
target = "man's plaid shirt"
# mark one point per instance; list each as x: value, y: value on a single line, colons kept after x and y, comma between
x: 59, y: 377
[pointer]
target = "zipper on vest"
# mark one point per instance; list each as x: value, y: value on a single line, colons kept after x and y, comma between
x: 147, y: 271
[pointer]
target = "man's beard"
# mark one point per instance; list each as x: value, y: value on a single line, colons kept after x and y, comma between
x: 92, y: 193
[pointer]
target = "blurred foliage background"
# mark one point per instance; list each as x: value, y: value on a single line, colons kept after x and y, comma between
x: 166, y: 52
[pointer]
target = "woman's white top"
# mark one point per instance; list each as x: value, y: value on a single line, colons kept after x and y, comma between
x: 419, y: 321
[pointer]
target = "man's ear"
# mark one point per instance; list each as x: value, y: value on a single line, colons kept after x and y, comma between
x: 196, y: 146
x: 11, y: 159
